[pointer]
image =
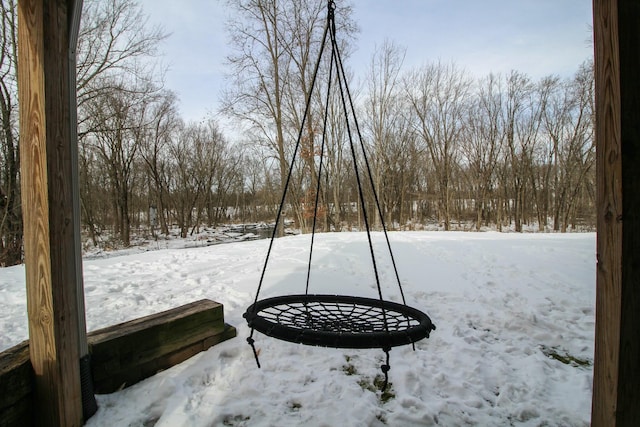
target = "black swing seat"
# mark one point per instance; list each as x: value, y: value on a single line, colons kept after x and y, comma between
x: 338, y: 321
x: 335, y: 320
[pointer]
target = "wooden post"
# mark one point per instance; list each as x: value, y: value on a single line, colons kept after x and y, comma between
x: 47, y: 206
x: 616, y: 383
x: 89, y: 404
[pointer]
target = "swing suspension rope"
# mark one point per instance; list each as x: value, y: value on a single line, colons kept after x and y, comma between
x: 330, y: 320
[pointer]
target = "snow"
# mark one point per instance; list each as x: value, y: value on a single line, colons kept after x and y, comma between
x: 513, y: 345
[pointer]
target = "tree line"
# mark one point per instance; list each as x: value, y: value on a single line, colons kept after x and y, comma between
x: 501, y: 150
x: 445, y: 148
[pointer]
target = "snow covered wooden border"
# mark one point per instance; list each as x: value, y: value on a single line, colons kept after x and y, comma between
x: 122, y: 354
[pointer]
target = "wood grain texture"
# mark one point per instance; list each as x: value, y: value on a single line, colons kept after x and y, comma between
x: 51, y: 294
x: 35, y: 203
x: 616, y: 384
x: 609, y: 194
x: 123, y: 354
x: 61, y: 233
x: 609, y: 215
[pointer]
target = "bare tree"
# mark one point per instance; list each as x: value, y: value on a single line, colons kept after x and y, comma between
x: 163, y: 126
x: 10, y: 205
x: 203, y: 170
x: 221, y: 173
x: 568, y: 121
x: 251, y: 196
x: 385, y: 119
x: 114, y: 39
x: 260, y: 71
x: 119, y: 120
x: 339, y: 181
x: 438, y: 94
x: 117, y: 80
x: 305, y: 25
x: 94, y: 192
x: 544, y: 155
x: 184, y: 184
x: 483, y: 144
x: 389, y: 127
x: 276, y: 44
x: 115, y: 43
x: 520, y: 122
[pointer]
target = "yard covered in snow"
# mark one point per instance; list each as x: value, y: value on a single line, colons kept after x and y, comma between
x: 513, y: 346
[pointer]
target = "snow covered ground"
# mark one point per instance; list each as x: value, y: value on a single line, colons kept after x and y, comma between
x: 513, y: 345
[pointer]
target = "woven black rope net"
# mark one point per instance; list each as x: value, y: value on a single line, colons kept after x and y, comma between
x: 338, y: 321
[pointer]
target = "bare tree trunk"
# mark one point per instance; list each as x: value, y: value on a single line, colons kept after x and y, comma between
x: 10, y: 205
x: 438, y: 95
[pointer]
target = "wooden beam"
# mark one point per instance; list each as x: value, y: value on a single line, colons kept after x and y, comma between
x: 89, y: 404
x: 43, y: 89
x: 122, y: 354
x: 16, y: 387
x: 616, y: 384
x: 609, y: 215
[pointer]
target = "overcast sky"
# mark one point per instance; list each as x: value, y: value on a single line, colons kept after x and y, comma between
x: 536, y: 37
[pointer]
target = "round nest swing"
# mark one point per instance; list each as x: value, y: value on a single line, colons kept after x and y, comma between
x: 337, y: 321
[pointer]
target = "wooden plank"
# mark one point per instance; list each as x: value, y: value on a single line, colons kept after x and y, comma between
x: 16, y: 386
x: 159, y: 319
x: 609, y: 214
x: 145, y: 338
x: 20, y: 414
x: 110, y: 377
x: 124, y: 354
x: 43, y: 90
x: 616, y: 384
